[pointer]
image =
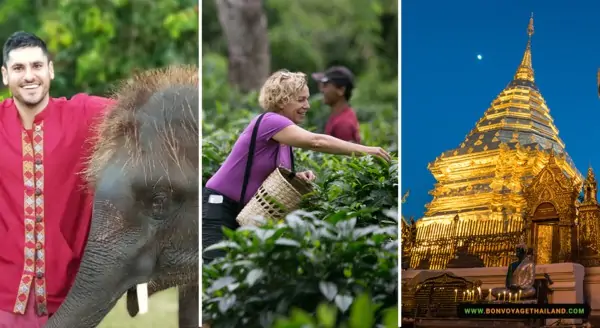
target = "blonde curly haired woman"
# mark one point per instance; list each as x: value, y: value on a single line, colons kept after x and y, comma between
x: 284, y: 97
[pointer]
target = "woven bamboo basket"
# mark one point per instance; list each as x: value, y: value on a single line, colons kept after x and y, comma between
x: 277, y: 196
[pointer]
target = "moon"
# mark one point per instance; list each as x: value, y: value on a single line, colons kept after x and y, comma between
x: 479, y: 57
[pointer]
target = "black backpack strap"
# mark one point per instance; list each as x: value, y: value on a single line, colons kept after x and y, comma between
x: 250, y: 158
x: 292, y: 158
x: 293, y: 173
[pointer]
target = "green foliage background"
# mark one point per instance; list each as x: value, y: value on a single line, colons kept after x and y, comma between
x: 311, y: 35
x: 94, y: 44
x: 334, y: 264
x: 97, y: 43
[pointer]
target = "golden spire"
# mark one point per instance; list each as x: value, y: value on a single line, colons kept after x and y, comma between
x: 525, y: 70
x: 590, y: 174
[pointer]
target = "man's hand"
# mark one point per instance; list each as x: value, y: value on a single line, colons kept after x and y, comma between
x: 306, y: 175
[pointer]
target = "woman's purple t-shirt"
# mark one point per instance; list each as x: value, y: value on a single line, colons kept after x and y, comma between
x: 268, y: 155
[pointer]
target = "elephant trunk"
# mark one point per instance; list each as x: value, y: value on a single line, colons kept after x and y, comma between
x: 110, y: 266
x: 92, y: 296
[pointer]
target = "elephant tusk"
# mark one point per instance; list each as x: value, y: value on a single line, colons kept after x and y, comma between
x: 142, y: 297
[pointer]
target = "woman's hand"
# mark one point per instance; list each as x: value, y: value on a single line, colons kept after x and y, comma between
x: 379, y: 152
x: 296, y: 136
x: 306, y: 175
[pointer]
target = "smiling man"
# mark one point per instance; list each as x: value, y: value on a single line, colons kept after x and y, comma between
x: 45, y: 209
x: 336, y: 85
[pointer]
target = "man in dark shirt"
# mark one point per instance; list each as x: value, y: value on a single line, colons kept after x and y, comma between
x: 336, y: 84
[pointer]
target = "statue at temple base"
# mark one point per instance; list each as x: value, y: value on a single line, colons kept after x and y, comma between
x: 519, y: 278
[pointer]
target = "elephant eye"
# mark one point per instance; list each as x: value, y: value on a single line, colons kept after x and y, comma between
x: 159, y: 203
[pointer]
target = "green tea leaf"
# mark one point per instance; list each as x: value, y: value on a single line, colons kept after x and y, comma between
x: 264, y: 234
x: 253, y: 276
x: 301, y: 317
x: 220, y: 283
x: 343, y: 302
x: 328, y: 289
x: 227, y: 303
x: 326, y: 315
x: 362, y: 314
x: 390, y: 318
x: 287, y: 242
x: 222, y: 245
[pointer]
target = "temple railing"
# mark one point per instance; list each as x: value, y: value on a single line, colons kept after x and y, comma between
x: 495, y: 250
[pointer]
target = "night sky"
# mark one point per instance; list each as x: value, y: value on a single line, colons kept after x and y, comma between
x: 446, y: 89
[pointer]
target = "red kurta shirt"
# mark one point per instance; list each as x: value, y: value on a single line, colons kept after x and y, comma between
x: 45, y: 209
x: 344, y: 125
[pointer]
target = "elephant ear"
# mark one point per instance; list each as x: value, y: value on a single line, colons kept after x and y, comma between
x: 132, y: 302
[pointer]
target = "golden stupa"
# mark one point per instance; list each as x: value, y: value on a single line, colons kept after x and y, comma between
x: 510, y: 178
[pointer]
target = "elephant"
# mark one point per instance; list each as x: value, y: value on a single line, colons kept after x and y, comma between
x: 144, y: 174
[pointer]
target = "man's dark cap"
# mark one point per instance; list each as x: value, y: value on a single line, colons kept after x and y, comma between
x: 340, y: 75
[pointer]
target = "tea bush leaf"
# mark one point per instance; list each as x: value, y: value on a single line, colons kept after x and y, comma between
x: 227, y: 303
x: 390, y: 318
x: 300, y: 316
x: 343, y: 302
x: 328, y: 289
x: 362, y: 315
x: 220, y: 283
x: 326, y: 315
x: 363, y: 312
x: 263, y: 235
x: 291, y: 278
x: 253, y: 276
x: 222, y: 245
x: 287, y: 242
